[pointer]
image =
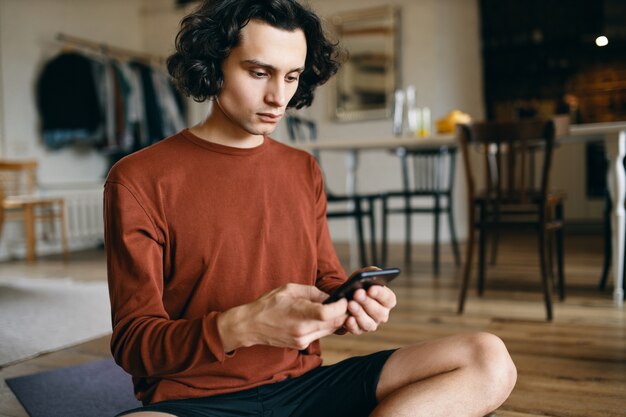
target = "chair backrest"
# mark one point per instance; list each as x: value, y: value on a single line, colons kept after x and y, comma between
x: 18, y: 177
x: 302, y: 130
x: 508, y: 152
x: 433, y: 169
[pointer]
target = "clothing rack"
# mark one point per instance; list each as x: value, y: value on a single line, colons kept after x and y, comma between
x: 108, y: 49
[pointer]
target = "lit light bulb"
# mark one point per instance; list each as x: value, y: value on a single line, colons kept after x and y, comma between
x: 602, y: 41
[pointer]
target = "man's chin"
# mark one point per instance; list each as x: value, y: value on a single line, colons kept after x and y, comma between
x: 262, y: 131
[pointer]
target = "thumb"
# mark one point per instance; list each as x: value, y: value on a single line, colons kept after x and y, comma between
x: 307, y: 292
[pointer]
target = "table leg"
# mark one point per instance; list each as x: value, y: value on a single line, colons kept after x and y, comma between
x: 616, y: 148
x: 352, y: 163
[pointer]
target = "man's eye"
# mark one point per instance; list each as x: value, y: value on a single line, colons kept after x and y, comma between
x: 258, y: 74
x: 291, y: 79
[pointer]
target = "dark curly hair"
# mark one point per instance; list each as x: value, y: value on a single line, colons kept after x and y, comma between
x: 207, y: 36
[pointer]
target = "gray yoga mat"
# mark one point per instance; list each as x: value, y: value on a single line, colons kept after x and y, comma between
x: 96, y: 389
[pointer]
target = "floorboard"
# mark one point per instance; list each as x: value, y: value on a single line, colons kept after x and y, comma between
x: 573, y: 366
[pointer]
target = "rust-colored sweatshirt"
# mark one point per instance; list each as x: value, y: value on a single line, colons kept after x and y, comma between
x: 193, y: 228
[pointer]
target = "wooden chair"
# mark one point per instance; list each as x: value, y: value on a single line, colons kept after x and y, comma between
x: 432, y: 183
x: 362, y: 206
x: 510, y: 196
x: 22, y: 202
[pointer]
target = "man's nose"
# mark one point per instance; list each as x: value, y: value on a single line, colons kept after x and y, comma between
x: 276, y: 94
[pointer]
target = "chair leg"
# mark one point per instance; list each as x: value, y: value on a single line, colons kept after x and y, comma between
x: 407, y: 230
x: 550, y: 252
x: 359, y: 231
x: 482, y: 241
x: 385, y: 213
x: 547, y: 288
x: 372, y: 215
x: 455, y: 242
x: 495, y: 238
x: 560, y: 240
x: 407, y: 206
x: 29, y: 233
x: 436, y: 232
x: 467, y: 271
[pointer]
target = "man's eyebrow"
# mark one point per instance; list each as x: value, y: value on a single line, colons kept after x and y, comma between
x: 257, y: 63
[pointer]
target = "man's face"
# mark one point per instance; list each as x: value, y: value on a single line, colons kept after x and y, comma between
x: 260, y: 77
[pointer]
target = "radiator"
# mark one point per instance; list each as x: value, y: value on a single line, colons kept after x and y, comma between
x: 84, y: 216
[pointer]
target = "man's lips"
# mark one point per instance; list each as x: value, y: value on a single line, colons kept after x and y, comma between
x: 270, y: 117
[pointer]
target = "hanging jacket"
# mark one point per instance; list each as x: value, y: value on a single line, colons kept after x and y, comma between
x: 68, y: 103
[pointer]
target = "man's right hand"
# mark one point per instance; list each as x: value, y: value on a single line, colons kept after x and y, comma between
x: 291, y: 316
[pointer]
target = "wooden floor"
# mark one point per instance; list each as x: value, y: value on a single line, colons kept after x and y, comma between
x: 573, y: 366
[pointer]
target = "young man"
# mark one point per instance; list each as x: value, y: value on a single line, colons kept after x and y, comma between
x: 219, y: 254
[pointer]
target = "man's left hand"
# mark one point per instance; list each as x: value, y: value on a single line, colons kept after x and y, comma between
x: 368, y: 309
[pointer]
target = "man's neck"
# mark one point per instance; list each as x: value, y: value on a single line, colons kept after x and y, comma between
x: 206, y: 132
x: 216, y: 128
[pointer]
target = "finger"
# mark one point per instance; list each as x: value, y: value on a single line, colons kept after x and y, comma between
x: 376, y: 311
x: 363, y: 320
x: 322, y: 313
x: 384, y: 295
x: 322, y: 330
x: 320, y: 334
x: 331, y: 311
x: 307, y: 292
x: 351, y: 326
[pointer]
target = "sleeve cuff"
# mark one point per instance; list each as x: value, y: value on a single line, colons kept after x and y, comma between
x: 213, y: 339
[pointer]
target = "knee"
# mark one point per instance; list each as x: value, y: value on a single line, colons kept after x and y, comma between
x: 493, y: 362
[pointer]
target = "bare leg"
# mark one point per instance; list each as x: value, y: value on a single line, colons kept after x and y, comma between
x: 464, y: 375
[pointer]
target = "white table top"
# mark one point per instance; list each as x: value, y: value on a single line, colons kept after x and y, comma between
x: 391, y: 142
x: 588, y: 131
x: 581, y: 132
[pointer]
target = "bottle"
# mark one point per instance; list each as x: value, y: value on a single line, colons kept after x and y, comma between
x: 411, y: 110
x: 398, y: 109
x: 425, y: 127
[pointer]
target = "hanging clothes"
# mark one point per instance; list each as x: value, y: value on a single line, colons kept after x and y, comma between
x: 118, y: 107
x: 154, y: 117
x: 136, y: 112
x: 68, y: 103
x: 172, y: 118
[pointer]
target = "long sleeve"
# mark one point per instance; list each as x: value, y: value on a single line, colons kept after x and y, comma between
x: 146, y: 342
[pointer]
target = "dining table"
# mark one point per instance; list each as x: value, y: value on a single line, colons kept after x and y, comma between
x: 612, y: 134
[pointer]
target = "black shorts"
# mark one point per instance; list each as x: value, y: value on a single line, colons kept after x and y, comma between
x: 347, y: 388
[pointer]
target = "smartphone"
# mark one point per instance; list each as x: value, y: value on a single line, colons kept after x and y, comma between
x: 363, y: 280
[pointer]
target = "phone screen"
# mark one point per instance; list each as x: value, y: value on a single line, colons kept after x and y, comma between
x: 363, y: 280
